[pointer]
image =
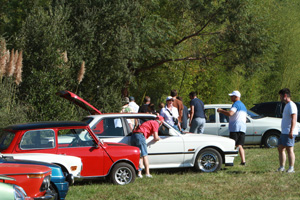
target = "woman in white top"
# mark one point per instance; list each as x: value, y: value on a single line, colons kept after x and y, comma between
x: 170, y: 113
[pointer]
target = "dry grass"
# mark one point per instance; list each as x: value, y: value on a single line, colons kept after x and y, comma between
x: 258, y: 180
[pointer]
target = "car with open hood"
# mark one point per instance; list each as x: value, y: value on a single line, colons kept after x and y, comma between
x: 117, y: 161
x: 205, y: 153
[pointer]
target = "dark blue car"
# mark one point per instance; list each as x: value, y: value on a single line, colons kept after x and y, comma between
x: 59, y: 183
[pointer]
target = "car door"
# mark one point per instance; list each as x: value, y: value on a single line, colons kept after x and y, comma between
x: 211, y: 125
x: 80, y: 143
x: 167, y: 152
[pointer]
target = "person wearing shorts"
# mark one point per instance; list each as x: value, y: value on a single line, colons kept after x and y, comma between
x: 289, y: 130
x: 138, y: 139
x: 237, y: 122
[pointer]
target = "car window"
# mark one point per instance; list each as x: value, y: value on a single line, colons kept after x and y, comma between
x: 267, y: 109
x: 38, y: 139
x: 163, y: 130
x: 74, y: 138
x: 5, y: 139
x: 210, y: 115
x: 109, y: 127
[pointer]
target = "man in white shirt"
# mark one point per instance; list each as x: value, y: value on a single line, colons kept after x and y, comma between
x: 289, y: 130
x: 133, y: 105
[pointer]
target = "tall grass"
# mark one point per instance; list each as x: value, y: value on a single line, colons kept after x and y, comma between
x: 257, y: 180
x: 11, y: 110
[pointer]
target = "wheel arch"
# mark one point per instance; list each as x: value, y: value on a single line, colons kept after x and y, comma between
x: 212, y: 147
x: 63, y: 168
x: 120, y: 161
x: 269, y: 131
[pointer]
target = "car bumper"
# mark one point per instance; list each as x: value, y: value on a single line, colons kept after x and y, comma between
x: 48, y: 196
x: 229, y: 157
x: 62, y: 189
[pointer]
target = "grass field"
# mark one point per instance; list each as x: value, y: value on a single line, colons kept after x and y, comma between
x: 257, y: 180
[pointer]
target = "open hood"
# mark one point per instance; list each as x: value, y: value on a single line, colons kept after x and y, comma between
x: 78, y: 101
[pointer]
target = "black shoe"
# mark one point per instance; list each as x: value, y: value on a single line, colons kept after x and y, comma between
x: 243, y: 163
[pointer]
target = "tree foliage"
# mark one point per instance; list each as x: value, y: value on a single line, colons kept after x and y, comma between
x: 140, y: 48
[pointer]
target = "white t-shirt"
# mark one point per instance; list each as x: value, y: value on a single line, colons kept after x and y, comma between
x: 135, y: 107
x: 289, y: 109
x: 167, y: 116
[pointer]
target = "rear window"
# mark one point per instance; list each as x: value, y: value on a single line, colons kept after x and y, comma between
x: 5, y: 139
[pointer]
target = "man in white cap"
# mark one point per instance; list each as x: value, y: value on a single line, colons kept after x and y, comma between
x: 237, y: 122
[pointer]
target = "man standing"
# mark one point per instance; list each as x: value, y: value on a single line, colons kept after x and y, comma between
x: 133, y: 105
x: 237, y: 122
x: 139, y: 137
x: 289, y: 131
x: 197, y: 116
x: 144, y: 108
x: 177, y: 104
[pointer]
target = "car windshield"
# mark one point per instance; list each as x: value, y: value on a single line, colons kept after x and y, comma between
x: 5, y: 139
x: 253, y: 115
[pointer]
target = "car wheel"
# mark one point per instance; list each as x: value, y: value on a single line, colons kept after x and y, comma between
x: 53, y: 191
x: 122, y: 173
x: 271, y: 139
x: 208, y: 160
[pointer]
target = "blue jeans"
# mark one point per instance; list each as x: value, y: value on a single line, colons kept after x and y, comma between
x: 197, y: 125
x: 139, y: 140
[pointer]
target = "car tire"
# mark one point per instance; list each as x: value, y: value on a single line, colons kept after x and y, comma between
x: 122, y: 174
x: 208, y: 160
x: 270, y: 139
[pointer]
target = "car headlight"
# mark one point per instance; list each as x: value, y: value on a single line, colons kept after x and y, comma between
x: 19, y: 193
x: 46, y: 183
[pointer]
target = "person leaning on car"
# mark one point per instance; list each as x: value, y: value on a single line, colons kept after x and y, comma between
x: 138, y: 139
x: 237, y: 122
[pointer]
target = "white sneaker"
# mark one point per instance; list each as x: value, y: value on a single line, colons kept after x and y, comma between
x: 140, y: 176
x: 290, y: 170
x: 280, y: 169
x: 149, y: 176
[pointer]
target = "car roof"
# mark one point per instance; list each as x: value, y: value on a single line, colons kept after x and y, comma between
x: 46, y: 124
x: 217, y: 105
x: 124, y: 115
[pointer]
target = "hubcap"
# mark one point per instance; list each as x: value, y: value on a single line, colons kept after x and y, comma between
x: 123, y: 176
x: 272, y: 141
x: 208, y: 162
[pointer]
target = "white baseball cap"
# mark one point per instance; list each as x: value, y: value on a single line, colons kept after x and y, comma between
x: 235, y: 93
x: 169, y: 98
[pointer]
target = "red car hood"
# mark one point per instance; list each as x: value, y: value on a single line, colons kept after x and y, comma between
x: 78, y: 101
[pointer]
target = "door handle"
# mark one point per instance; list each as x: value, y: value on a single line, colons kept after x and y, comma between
x: 223, y: 125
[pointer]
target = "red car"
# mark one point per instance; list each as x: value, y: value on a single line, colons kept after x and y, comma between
x: 34, y: 179
x: 117, y: 161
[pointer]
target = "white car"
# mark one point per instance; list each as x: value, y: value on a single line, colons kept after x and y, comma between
x: 260, y: 130
x: 205, y: 153
x: 69, y: 164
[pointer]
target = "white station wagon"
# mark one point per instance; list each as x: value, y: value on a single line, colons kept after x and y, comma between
x: 260, y: 130
x: 205, y: 153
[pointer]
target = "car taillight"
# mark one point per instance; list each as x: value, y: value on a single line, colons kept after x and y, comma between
x: 46, y: 183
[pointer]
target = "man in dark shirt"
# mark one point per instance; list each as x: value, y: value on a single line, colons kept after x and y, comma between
x: 185, y: 116
x: 144, y: 108
x: 197, y: 116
